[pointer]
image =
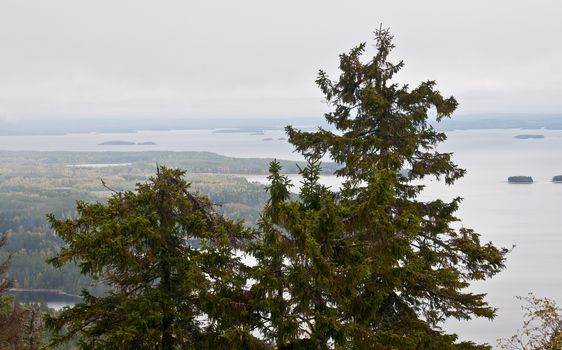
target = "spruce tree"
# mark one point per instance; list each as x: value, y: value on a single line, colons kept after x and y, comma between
x: 295, y: 276
x: 371, y: 266
x: 169, y: 262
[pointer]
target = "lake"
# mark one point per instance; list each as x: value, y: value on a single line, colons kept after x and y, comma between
x: 526, y: 216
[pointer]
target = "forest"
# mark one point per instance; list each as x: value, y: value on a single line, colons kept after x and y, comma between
x: 33, y: 184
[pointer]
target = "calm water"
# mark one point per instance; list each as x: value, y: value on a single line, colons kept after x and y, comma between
x: 527, y: 216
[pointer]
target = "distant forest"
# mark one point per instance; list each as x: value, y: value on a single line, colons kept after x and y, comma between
x: 33, y: 184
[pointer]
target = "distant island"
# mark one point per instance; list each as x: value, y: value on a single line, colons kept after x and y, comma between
x: 245, y: 130
x: 126, y: 143
x: 116, y: 143
x: 520, y: 180
x: 268, y: 139
x: 528, y: 136
x: 525, y: 121
x: 557, y: 178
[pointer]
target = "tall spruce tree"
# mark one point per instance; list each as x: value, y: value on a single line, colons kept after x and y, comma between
x: 168, y: 259
x: 295, y: 276
x: 370, y: 266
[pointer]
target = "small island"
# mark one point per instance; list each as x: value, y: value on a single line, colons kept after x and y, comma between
x: 520, y: 180
x: 268, y: 139
x: 116, y: 143
x: 126, y: 143
x: 557, y: 179
x: 528, y: 136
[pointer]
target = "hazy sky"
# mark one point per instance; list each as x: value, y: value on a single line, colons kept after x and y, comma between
x: 141, y: 58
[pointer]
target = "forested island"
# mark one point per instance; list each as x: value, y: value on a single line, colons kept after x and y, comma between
x: 520, y: 180
x: 528, y: 136
x: 126, y: 143
x: 557, y: 178
x: 117, y: 143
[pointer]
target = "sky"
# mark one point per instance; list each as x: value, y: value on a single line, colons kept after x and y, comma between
x: 259, y: 58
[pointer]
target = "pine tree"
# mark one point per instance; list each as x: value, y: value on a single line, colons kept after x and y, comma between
x: 370, y: 266
x: 168, y: 259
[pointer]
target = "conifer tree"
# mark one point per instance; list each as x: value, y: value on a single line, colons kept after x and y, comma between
x: 168, y: 259
x: 370, y: 266
x: 294, y: 272
x: 5, y: 282
x: 11, y: 313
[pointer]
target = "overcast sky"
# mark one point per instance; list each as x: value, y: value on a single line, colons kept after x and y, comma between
x: 259, y: 58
